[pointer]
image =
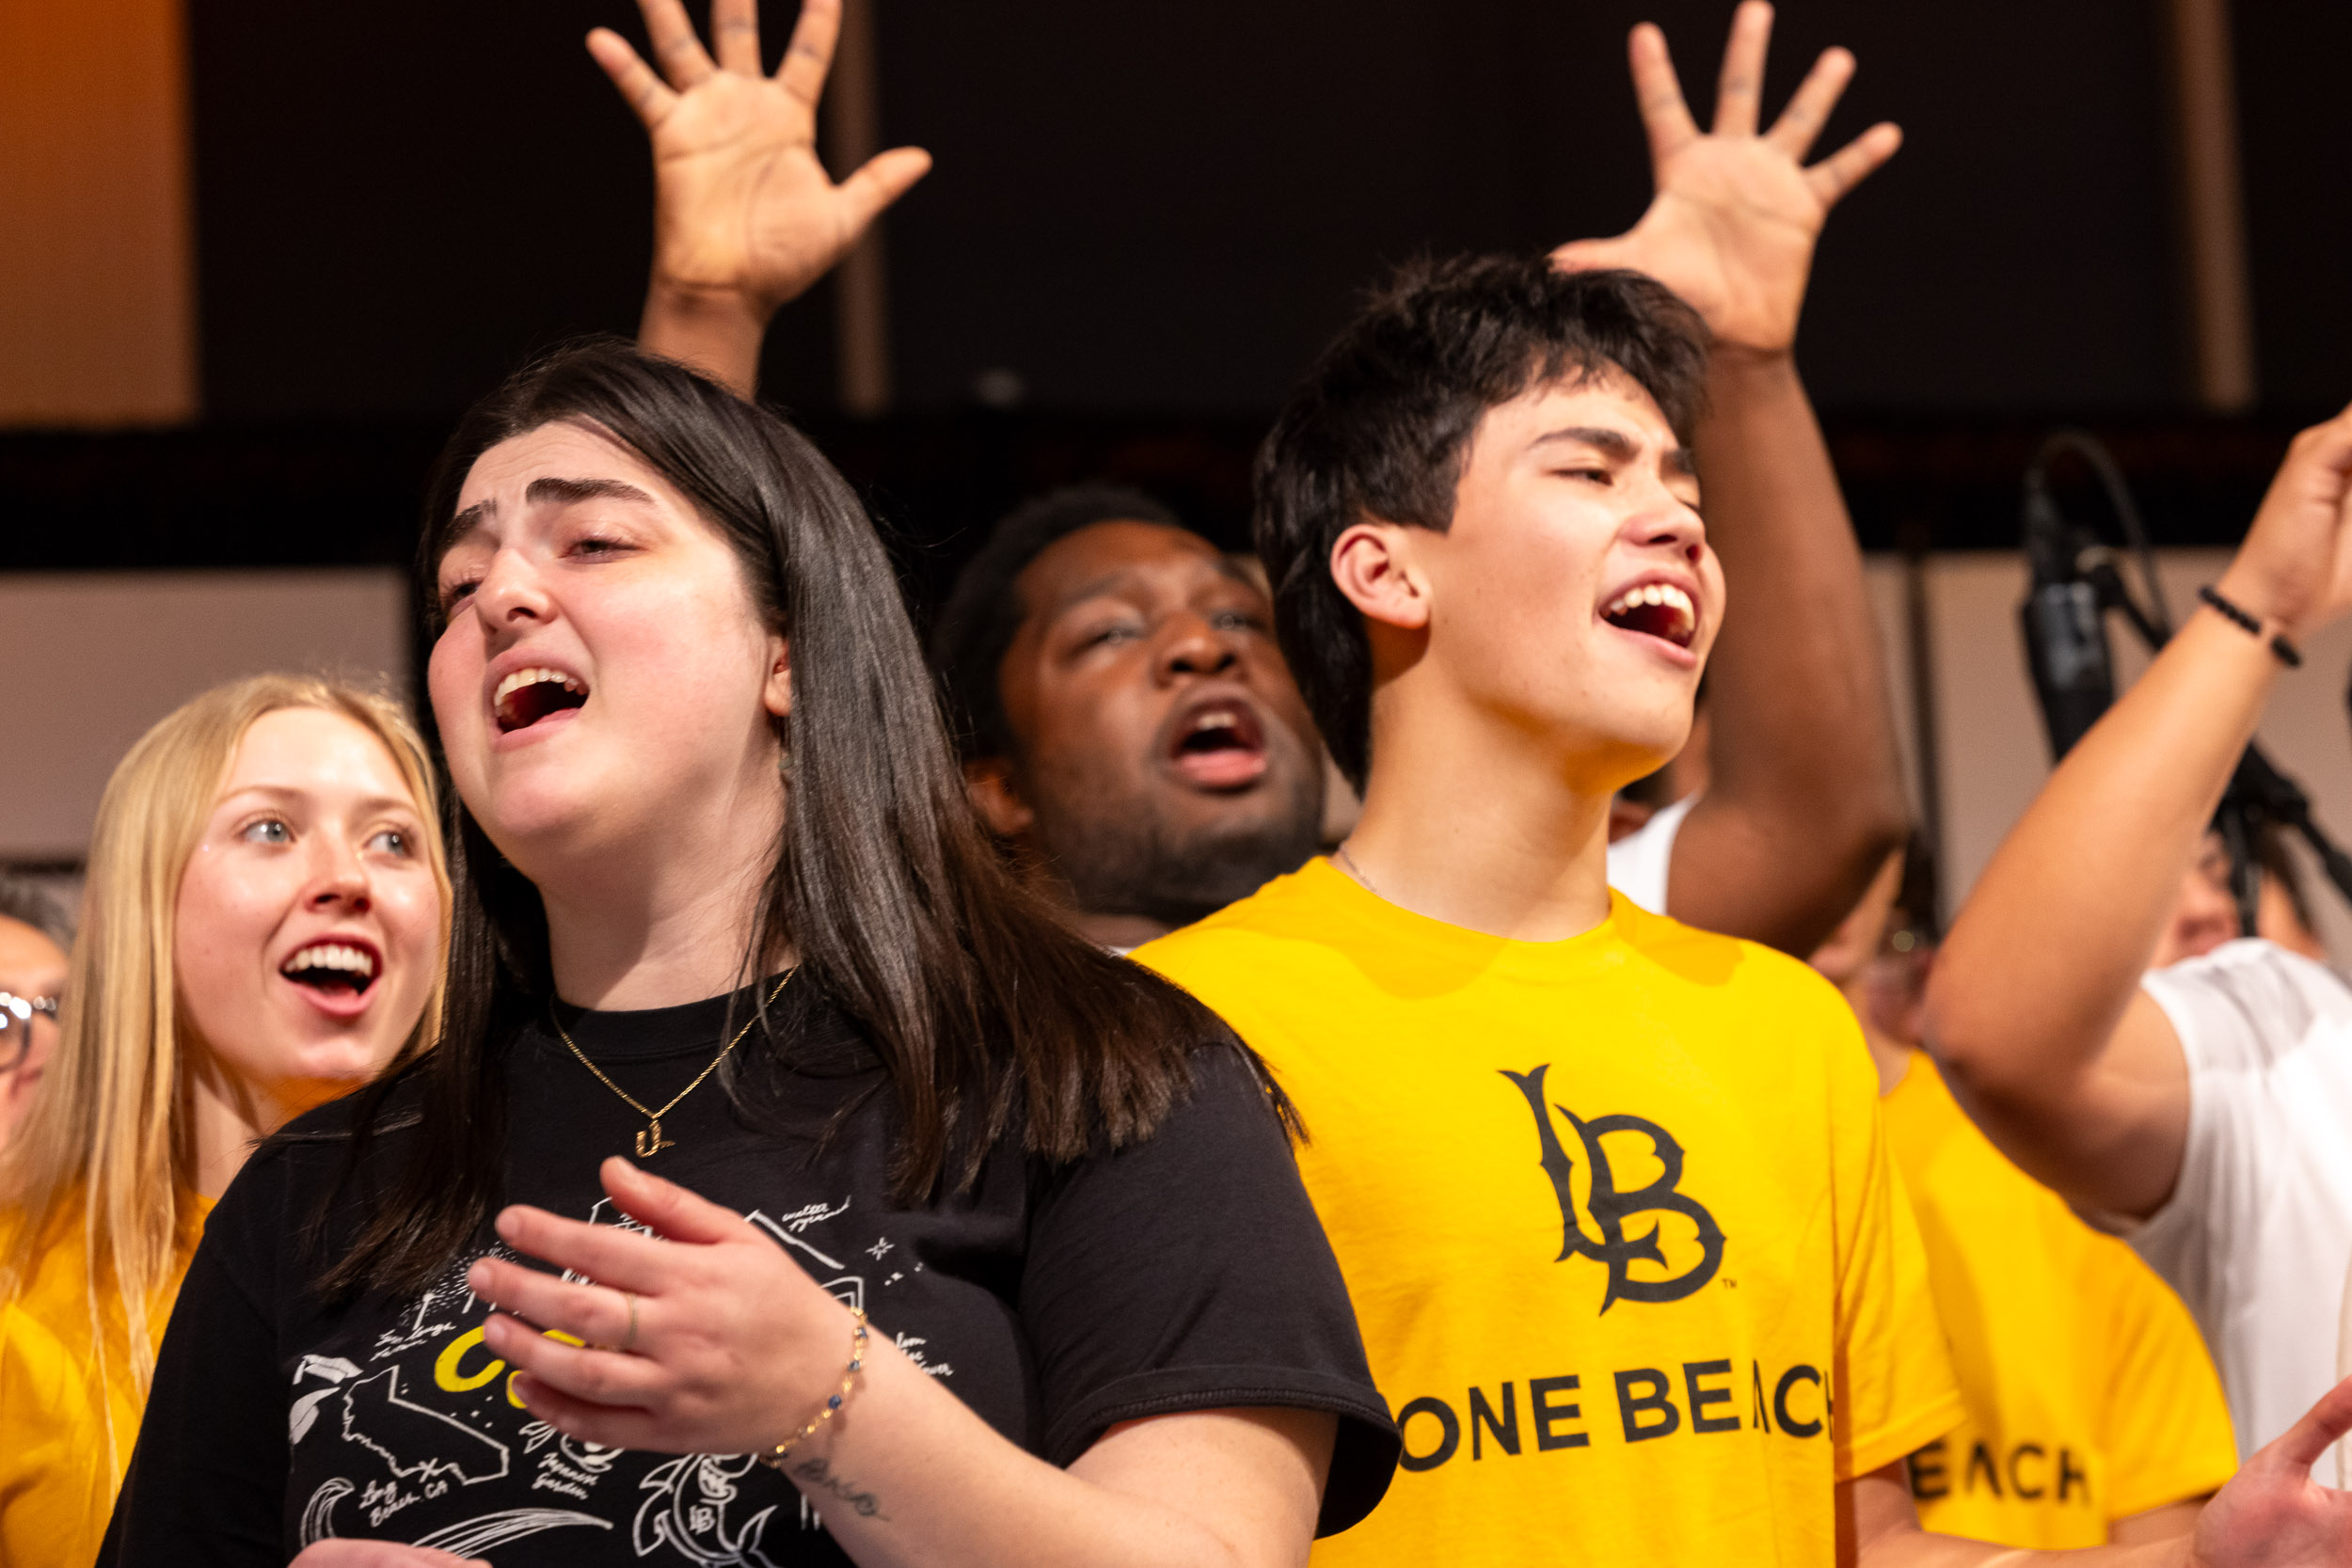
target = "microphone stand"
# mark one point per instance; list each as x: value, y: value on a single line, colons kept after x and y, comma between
x: 2265, y: 794
x: 2258, y: 792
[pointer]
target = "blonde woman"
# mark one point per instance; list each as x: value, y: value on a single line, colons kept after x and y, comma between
x: 266, y: 919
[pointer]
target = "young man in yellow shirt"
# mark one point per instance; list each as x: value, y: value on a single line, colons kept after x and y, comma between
x: 2094, y: 1411
x: 1611, y: 1193
x: 1128, y: 726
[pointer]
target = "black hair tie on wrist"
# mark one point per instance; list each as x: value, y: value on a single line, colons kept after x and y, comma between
x: 2280, y: 648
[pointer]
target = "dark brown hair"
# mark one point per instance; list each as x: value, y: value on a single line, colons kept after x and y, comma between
x: 1380, y: 425
x: 992, y: 1019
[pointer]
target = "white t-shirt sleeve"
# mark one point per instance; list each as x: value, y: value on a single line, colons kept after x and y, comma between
x: 2257, y: 1232
x: 2220, y: 1012
x: 1639, y: 861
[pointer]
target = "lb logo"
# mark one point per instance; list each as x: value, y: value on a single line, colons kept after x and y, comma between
x: 1609, y: 1208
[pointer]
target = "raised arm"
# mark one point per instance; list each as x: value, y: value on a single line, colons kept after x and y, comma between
x: 745, y: 216
x: 2035, y: 1007
x: 1807, y: 798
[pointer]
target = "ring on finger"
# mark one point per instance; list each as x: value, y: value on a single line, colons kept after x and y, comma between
x: 629, y: 1339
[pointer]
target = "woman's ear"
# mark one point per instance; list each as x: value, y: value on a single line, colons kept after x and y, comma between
x: 1375, y: 567
x: 778, y: 692
x: 988, y: 782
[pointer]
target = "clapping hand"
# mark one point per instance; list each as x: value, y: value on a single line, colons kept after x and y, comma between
x: 379, y: 1554
x: 1733, y: 224
x: 744, y: 213
x: 701, y: 1337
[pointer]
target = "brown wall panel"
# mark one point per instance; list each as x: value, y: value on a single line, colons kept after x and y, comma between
x: 96, y: 296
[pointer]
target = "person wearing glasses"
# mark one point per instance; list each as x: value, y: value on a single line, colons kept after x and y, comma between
x: 264, y: 927
x: 34, y: 936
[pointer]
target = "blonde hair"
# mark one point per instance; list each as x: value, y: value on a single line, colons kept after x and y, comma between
x: 109, y: 1132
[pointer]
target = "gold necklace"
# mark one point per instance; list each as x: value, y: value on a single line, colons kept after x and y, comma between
x: 650, y: 1142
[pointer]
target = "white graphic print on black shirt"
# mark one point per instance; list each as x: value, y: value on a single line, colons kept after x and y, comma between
x: 1185, y: 1273
x: 435, y: 1444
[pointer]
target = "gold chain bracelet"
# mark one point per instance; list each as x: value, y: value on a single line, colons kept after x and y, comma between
x: 774, y: 1458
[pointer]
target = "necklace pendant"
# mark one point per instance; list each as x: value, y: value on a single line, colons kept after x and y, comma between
x: 650, y: 1142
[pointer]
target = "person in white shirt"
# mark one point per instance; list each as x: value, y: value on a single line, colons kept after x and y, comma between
x: 2257, y: 1233
x: 2203, y: 1110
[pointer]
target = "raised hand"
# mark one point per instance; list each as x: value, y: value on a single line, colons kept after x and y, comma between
x: 744, y: 214
x: 704, y: 1337
x: 2273, y: 1514
x: 1735, y: 215
x: 2295, y: 564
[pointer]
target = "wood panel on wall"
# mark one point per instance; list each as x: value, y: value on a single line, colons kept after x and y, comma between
x: 97, y: 316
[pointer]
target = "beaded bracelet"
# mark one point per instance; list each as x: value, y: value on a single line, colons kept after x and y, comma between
x: 774, y: 1459
x: 2280, y: 648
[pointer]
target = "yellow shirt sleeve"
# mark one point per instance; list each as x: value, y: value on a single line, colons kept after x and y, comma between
x: 68, y: 1437
x: 1893, y: 1379
x: 2168, y: 1432
x: 70, y: 1402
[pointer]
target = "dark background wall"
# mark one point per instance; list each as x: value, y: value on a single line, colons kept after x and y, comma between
x: 1144, y: 205
x: 2298, y: 161
x: 1151, y: 214
x: 1166, y: 207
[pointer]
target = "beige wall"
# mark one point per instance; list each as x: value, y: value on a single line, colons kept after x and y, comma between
x: 89, y: 662
x: 1993, y: 755
x: 97, y: 316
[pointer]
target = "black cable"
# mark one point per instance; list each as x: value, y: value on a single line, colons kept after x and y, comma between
x: 2094, y: 452
x: 2258, y: 792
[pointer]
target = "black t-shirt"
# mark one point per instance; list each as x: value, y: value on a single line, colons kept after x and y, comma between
x: 1188, y: 1272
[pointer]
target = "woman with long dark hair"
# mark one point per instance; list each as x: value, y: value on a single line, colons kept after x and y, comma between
x: 986, y: 1241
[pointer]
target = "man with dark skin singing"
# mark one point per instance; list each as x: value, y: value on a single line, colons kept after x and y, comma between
x: 1142, y: 739
x: 1125, y: 715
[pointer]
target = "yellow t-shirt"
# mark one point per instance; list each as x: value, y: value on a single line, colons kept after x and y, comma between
x: 59, y: 1390
x: 1616, y: 1216
x: 2089, y: 1395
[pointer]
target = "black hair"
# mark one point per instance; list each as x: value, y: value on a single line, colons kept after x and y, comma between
x: 23, y: 900
x: 1919, y: 896
x: 2270, y: 852
x: 983, y: 611
x: 1379, y: 427
x: 992, y: 1019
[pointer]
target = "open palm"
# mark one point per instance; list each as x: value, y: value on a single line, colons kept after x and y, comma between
x: 2273, y: 1514
x: 1737, y: 213
x: 741, y: 204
